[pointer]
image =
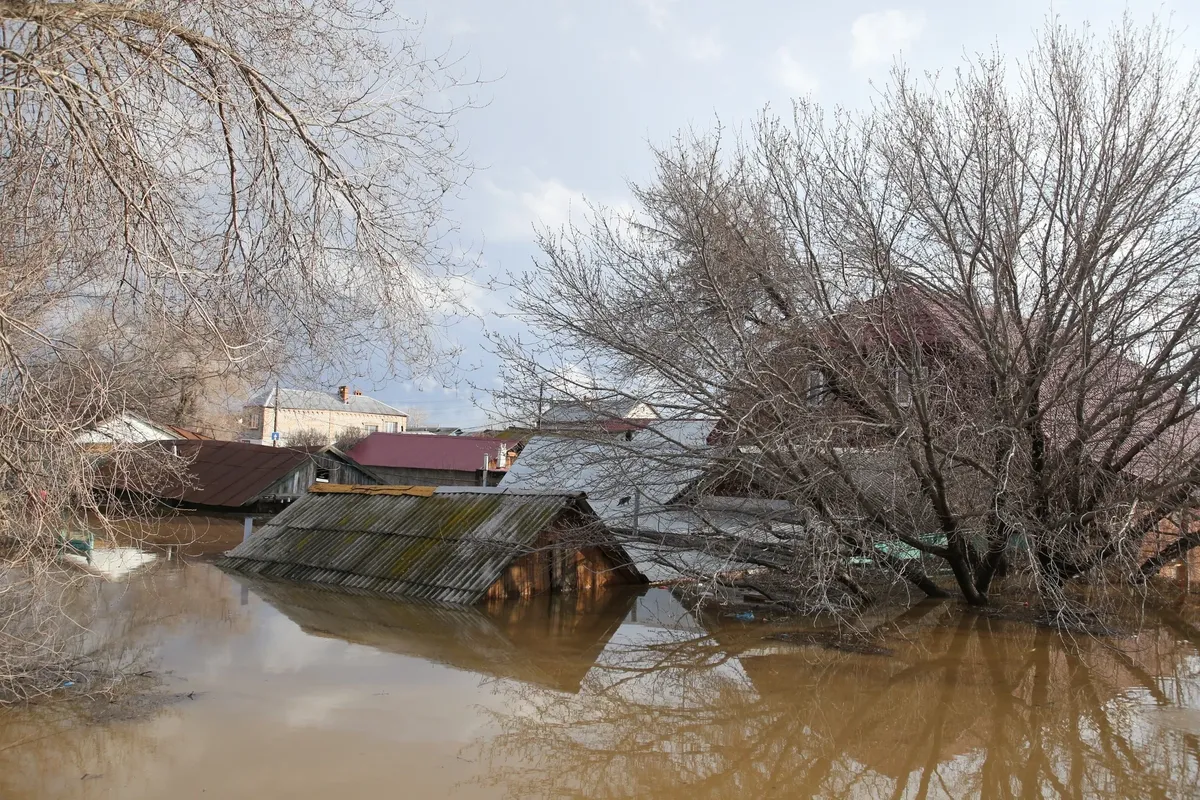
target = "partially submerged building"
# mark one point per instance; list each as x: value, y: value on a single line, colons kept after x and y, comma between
x: 453, y: 545
x: 211, y: 475
x: 648, y: 490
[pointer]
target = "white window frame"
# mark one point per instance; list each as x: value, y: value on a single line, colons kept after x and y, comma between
x: 901, y: 386
x: 391, y: 427
x: 371, y: 429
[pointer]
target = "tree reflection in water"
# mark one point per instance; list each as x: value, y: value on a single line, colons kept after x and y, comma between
x: 967, y: 706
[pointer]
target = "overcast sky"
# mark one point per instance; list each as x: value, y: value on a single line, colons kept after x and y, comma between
x: 580, y: 88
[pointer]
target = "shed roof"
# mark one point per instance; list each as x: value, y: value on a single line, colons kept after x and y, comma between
x: 129, y: 427
x: 427, y: 451
x: 227, y: 474
x: 449, y: 546
x: 310, y: 400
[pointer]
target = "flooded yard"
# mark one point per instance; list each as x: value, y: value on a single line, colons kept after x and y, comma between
x: 280, y: 691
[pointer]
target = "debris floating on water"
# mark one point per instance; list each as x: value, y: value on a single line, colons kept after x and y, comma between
x: 111, y: 563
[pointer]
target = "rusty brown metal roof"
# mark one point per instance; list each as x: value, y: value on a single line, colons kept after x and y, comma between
x: 447, y: 547
x: 227, y: 474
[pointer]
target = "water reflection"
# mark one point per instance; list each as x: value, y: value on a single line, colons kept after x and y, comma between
x: 548, y: 641
x: 968, y: 706
x: 305, y: 693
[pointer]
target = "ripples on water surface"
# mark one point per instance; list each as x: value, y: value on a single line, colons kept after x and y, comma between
x: 305, y: 694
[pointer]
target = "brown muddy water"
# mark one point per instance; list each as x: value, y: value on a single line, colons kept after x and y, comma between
x: 283, y: 692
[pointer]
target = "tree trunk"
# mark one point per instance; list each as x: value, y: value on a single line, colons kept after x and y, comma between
x: 1175, y: 550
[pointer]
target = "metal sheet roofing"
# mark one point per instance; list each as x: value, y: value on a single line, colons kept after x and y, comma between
x: 309, y: 400
x: 228, y: 474
x: 659, y: 463
x: 447, y: 547
x: 426, y: 451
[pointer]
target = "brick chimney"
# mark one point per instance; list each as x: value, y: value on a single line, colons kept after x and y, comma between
x: 358, y: 392
x: 344, y: 393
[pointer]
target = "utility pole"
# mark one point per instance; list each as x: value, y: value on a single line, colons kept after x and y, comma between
x: 537, y: 422
x: 275, y: 421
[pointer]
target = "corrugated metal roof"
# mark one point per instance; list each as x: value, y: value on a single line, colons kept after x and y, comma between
x: 226, y: 474
x: 447, y: 547
x: 309, y: 400
x: 426, y: 451
x: 658, y: 463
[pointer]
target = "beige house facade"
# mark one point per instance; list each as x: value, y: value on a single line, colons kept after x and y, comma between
x: 329, y: 414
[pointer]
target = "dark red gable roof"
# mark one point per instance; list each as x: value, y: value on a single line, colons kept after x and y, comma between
x: 423, y: 451
x: 227, y: 474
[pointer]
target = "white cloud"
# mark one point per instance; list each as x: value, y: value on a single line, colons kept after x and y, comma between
x: 791, y: 74
x: 515, y: 213
x: 706, y: 47
x: 658, y: 12
x: 877, y: 37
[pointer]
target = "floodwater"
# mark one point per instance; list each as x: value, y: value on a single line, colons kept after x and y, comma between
x: 293, y: 693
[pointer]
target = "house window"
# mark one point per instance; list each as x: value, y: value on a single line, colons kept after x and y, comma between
x: 389, y: 427
x: 901, y: 387
x: 817, y: 390
x: 323, y: 474
x: 371, y: 428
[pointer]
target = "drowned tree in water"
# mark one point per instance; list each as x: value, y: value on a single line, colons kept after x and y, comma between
x: 957, y: 333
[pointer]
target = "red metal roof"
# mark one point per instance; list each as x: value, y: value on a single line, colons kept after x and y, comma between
x: 422, y: 451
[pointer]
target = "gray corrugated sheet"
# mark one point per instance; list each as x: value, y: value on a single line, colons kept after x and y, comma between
x: 658, y: 463
x: 449, y: 547
x: 309, y: 400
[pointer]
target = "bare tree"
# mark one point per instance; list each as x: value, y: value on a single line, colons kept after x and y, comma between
x: 348, y: 438
x: 310, y: 437
x: 958, y: 331
x: 195, y: 193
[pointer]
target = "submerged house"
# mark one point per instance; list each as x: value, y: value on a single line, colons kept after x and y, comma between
x: 454, y: 545
x: 240, y: 477
x: 652, y: 490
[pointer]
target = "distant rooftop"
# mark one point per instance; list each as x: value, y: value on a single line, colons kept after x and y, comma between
x: 310, y: 400
x: 427, y: 451
x: 575, y: 412
x: 442, y: 430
